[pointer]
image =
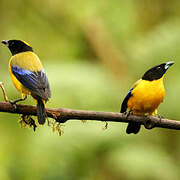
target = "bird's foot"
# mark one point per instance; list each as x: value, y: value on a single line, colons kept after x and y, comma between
x: 13, y: 103
x: 127, y: 114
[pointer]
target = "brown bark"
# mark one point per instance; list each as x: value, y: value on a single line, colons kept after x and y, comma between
x: 62, y: 115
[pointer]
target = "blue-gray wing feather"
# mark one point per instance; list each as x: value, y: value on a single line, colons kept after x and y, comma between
x: 36, y: 82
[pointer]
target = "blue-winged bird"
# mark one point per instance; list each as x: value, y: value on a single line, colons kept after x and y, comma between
x: 28, y: 75
x: 146, y: 95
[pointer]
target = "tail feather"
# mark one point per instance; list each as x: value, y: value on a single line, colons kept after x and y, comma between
x: 41, y: 113
x: 133, y: 127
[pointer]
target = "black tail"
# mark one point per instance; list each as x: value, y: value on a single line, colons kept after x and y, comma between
x: 133, y: 127
x: 41, y: 113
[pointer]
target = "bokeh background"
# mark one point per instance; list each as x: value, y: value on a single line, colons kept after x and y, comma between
x: 93, y: 51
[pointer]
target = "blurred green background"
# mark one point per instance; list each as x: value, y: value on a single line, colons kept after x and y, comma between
x: 93, y: 51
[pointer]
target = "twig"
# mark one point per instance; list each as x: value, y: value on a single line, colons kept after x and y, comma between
x: 4, y: 93
x: 62, y: 115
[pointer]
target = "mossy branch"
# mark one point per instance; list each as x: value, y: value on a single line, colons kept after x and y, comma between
x: 62, y: 115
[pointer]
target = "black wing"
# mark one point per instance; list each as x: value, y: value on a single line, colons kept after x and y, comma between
x: 124, y: 103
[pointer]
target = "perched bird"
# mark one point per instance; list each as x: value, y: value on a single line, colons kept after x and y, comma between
x: 146, y: 95
x: 28, y: 75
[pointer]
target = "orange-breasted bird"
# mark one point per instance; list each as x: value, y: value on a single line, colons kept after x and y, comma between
x: 28, y: 75
x: 146, y: 95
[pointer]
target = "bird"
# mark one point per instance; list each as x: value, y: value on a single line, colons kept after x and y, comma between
x: 146, y: 95
x: 28, y: 75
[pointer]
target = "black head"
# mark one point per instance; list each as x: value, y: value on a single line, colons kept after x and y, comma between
x: 17, y: 46
x: 157, y: 72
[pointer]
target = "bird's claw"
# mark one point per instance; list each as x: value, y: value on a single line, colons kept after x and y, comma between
x: 127, y: 114
x: 13, y: 103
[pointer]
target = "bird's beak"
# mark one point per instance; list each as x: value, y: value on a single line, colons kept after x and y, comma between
x: 5, y: 42
x: 168, y: 64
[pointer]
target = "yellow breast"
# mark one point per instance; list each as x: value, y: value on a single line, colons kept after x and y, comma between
x: 146, y: 97
x: 17, y: 84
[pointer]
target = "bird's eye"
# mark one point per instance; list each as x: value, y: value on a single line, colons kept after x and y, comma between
x: 158, y: 68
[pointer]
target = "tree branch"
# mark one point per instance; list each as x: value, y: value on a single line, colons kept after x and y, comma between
x: 62, y: 115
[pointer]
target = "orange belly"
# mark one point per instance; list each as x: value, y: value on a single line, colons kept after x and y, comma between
x: 146, y: 97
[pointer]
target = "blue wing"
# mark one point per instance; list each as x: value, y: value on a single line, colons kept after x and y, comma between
x: 124, y: 103
x: 36, y: 82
